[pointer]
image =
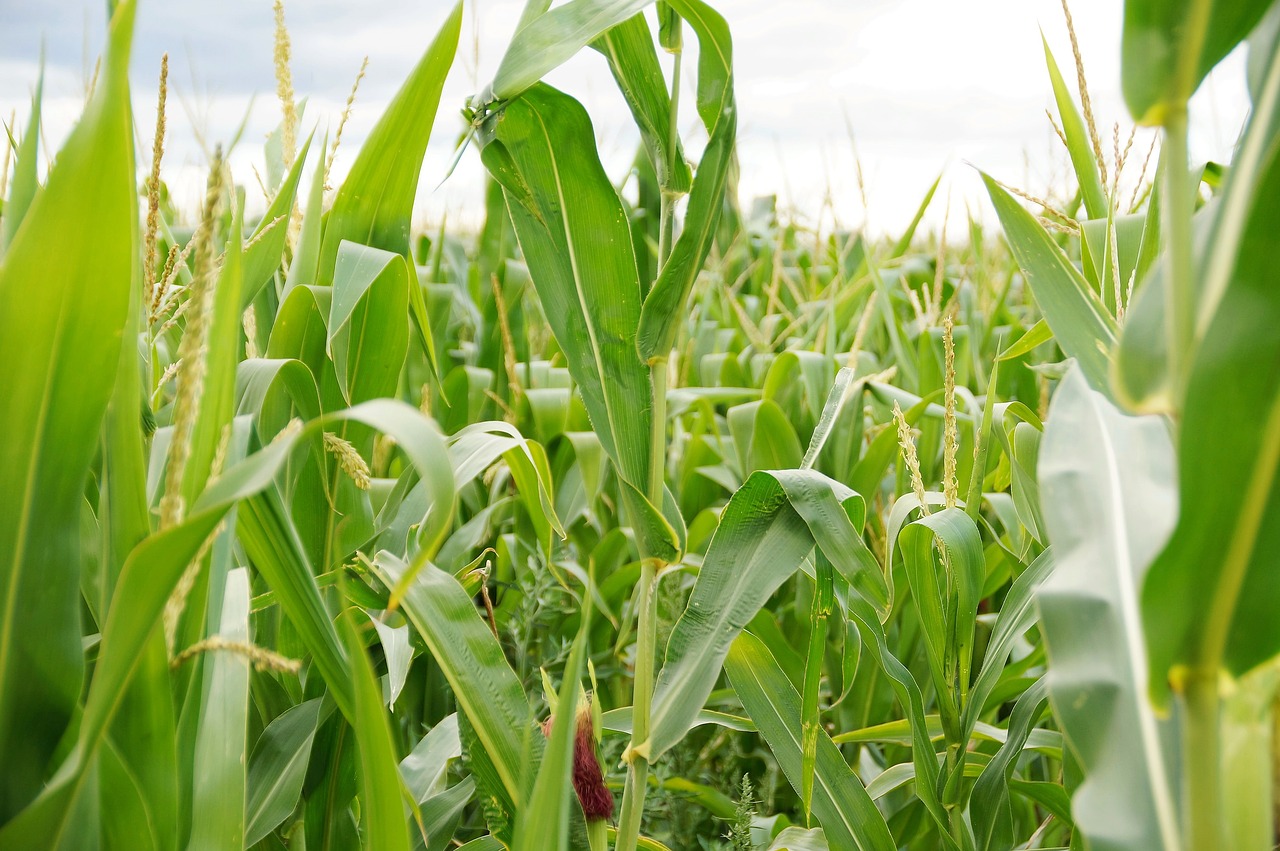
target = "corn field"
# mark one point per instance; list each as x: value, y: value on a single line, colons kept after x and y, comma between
x: 643, y: 517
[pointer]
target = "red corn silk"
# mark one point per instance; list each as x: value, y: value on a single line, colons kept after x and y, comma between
x: 588, y: 777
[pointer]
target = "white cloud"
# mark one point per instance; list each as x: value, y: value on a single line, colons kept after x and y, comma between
x: 924, y: 84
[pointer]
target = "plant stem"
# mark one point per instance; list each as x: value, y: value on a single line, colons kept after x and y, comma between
x: 637, y: 785
x: 633, y: 794
x: 1203, y: 790
x: 1180, y: 317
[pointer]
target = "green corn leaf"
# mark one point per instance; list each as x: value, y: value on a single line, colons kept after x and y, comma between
x: 633, y: 60
x: 374, y: 205
x: 665, y: 306
x: 26, y: 176
x: 1170, y: 46
x: 799, y: 839
x: 217, y: 393
x: 304, y: 267
x: 1080, y: 323
x: 1213, y: 585
x: 1078, y: 145
x: 368, y: 321
x: 576, y: 242
x: 990, y: 805
x: 277, y: 768
x: 60, y: 352
x: 547, y: 39
x: 148, y: 579
x: 218, y: 795
x: 770, y: 525
x: 471, y: 659
x: 1142, y: 379
x: 840, y: 801
x: 381, y: 789
x: 946, y: 589
x: 1110, y: 505
x: 424, y: 768
x: 262, y: 257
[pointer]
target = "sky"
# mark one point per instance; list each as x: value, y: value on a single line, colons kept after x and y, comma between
x: 907, y: 88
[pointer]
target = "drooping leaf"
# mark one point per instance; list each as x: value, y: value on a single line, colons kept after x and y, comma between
x: 576, y: 242
x: 769, y: 527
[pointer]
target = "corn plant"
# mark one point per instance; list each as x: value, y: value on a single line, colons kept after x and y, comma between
x: 640, y: 518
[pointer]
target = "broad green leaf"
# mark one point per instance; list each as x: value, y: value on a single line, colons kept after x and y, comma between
x: 1080, y: 323
x: 368, y: 321
x: 1078, y: 146
x: 547, y: 41
x: 1170, y: 46
x: 665, y: 306
x: 840, y: 801
x: 381, y: 791
x: 576, y: 242
x: 424, y: 768
x: 60, y: 352
x: 471, y: 659
x: 632, y: 58
x: 374, y: 205
x: 277, y: 768
x: 1214, y: 584
x: 1110, y: 505
x: 799, y: 839
x: 1219, y: 229
x: 218, y: 799
x: 770, y: 525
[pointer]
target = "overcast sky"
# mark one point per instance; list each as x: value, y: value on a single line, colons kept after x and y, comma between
x: 921, y: 86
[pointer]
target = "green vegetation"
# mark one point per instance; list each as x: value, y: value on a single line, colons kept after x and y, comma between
x: 640, y: 520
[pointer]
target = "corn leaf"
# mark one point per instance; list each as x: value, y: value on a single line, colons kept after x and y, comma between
x: 471, y: 659
x: 1110, y: 506
x: 1078, y: 146
x: 60, y: 352
x: 1170, y: 46
x: 1080, y: 323
x: 218, y: 796
x: 770, y: 525
x: 381, y: 799
x: 840, y: 801
x: 664, y: 308
x: 547, y: 39
x: 1142, y: 378
x: 576, y: 242
x: 1213, y: 585
x: 374, y: 205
